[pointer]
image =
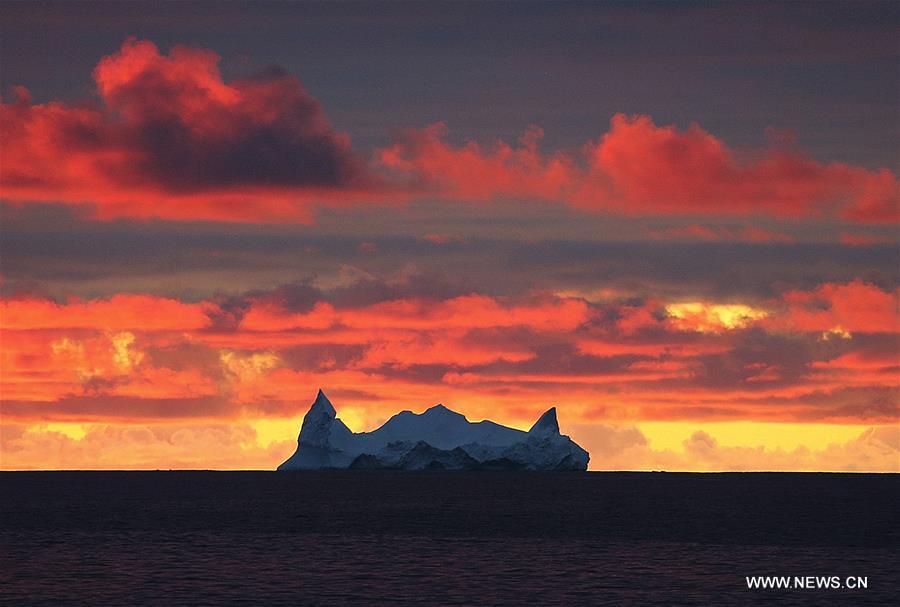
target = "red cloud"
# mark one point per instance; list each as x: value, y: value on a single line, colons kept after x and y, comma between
x: 171, y: 139
x: 640, y: 168
x: 473, y: 173
x: 852, y: 307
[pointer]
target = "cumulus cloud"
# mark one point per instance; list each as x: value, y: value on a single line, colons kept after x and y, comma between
x: 170, y: 138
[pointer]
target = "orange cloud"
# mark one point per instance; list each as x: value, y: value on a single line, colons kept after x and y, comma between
x: 441, y: 349
x: 464, y: 312
x: 145, y: 312
x: 49, y: 365
x: 859, y: 368
x: 818, y: 355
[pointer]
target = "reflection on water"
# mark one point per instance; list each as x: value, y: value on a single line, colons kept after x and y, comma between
x: 334, y: 538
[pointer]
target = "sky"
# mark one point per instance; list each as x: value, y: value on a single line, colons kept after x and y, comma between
x: 675, y: 222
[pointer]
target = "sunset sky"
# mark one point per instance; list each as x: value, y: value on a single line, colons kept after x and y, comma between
x: 676, y: 223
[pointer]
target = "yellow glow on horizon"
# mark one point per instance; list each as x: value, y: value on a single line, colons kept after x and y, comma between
x: 273, y: 430
x: 69, y: 430
x: 771, y: 435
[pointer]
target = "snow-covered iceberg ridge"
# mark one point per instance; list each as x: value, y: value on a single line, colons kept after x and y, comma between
x: 435, y: 439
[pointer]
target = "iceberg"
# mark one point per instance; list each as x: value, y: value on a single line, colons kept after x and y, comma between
x: 436, y: 439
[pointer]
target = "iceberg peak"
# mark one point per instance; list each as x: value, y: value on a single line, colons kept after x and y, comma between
x: 546, y: 423
x: 440, y: 410
x: 320, y: 423
x: 323, y: 404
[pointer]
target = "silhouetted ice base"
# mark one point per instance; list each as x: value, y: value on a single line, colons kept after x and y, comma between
x: 436, y: 439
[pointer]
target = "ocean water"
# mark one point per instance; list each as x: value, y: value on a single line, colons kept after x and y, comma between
x: 442, y: 538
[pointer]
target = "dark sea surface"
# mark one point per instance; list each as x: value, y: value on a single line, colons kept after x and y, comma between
x: 442, y: 538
